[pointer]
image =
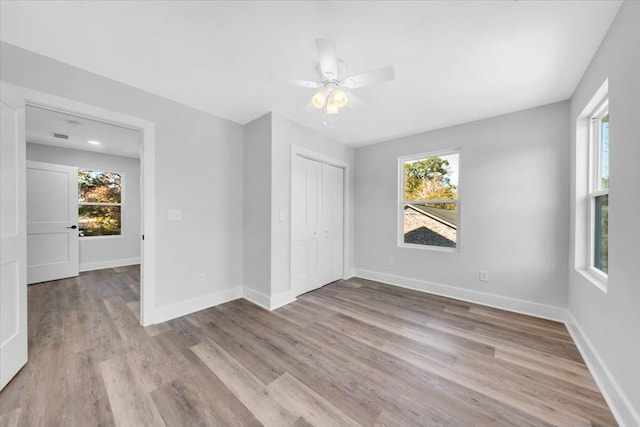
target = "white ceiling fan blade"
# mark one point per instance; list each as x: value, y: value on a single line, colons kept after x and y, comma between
x: 306, y: 83
x: 372, y: 77
x: 328, y: 60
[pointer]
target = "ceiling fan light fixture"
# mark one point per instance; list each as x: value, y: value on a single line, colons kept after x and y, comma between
x: 340, y: 98
x: 319, y: 98
x: 332, y: 107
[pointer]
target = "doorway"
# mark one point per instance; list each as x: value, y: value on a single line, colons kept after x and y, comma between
x: 83, y: 195
x: 146, y: 148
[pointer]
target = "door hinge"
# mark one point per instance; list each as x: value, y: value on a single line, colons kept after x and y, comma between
x: 143, y: 237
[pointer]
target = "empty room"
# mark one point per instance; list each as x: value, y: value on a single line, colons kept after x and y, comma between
x: 320, y: 213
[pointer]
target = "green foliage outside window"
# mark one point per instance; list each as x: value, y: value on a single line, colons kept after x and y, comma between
x: 429, y: 179
x: 100, y: 203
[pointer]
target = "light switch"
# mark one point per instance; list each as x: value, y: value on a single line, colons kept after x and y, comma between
x: 174, y: 215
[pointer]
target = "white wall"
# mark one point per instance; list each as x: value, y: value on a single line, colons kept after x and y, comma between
x: 107, y: 252
x: 513, y: 212
x: 609, y: 323
x: 198, y: 168
x: 257, y: 202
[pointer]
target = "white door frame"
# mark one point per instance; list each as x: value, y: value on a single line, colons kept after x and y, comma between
x: 147, y: 174
x: 297, y: 151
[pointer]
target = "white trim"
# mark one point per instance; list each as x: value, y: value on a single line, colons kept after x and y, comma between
x: 584, y: 214
x: 110, y: 263
x: 258, y: 298
x: 618, y: 403
x: 544, y: 311
x: 147, y: 175
x: 282, y: 299
x: 266, y: 302
x: 183, y: 308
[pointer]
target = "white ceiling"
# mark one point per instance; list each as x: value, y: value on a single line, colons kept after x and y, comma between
x: 455, y: 61
x: 115, y: 140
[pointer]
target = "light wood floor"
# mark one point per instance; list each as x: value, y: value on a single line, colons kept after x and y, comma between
x: 352, y: 353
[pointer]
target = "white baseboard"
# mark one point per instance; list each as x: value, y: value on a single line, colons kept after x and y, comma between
x: 266, y: 302
x: 616, y: 399
x: 505, y: 303
x: 258, y: 298
x: 192, y: 305
x: 110, y: 263
x: 281, y: 299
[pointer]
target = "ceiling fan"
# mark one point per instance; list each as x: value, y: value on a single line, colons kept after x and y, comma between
x: 333, y: 79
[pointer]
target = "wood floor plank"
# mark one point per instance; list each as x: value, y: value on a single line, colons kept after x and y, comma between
x: 312, y: 407
x: 178, y: 406
x: 225, y: 409
x: 130, y: 401
x: 353, y: 352
x: 86, y: 399
x: 251, y: 392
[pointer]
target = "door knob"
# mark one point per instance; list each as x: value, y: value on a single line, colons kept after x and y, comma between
x: 73, y: 227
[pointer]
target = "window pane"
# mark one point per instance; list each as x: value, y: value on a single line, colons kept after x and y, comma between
x: 601, y: 234
x: 433, y: 224
x: 99, y: 220
x: 604, y: 152
x: 99, y: 187
x: 433, y: 178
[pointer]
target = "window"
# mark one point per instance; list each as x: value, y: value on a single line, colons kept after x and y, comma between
x: 599, y: 189
x: 99, y: 203
x: 428, y: 208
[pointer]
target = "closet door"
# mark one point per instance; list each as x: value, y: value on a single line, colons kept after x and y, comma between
x: 306, y: 194
x: 317, y: 201
x: 332, y: 223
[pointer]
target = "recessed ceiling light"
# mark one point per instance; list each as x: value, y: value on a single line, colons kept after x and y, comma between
x: 94, y: 142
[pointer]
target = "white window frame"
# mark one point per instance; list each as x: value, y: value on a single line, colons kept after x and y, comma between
x: 402, y: 201
x: 594, y: 191
x: 121, y: 204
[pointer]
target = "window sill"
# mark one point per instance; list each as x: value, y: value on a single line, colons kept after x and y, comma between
x: 101, y: 237
x: 596, y: 277
x: 428, y: 247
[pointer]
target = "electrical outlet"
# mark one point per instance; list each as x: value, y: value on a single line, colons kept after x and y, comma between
x: 202, y: 279
x: 390, y: 261
x: 484, y: 276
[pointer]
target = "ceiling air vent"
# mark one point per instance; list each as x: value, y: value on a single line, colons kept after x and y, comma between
x: 60, y: 135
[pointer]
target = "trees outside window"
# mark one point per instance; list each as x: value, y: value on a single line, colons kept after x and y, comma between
x: 99, y: 203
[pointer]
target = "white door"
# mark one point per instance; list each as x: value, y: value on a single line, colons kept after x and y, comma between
x: 332, y: 222
x: 52, y: 222
x: 13, y: 256
x: 306, y: 194
x: 317, y: 213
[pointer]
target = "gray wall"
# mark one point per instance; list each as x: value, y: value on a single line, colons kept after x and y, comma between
x: 611, y: 321
x: 257, y: 200
x: 198, y: 160
x: 513, y: 207
x: 101, y: 252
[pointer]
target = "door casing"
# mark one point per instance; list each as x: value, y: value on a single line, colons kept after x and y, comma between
x: 147, y: 165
